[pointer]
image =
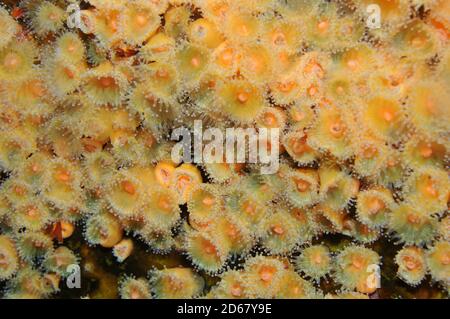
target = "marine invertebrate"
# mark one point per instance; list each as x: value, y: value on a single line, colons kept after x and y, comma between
x: 193, y: 61
x: 353, y: 268
x: 430, y: 187
x: 89, y: 176
x: 437, y: 261
x: 177, y: 21
x: 16, y: 192
x: 123, y: 249
x: 412, y: 225
x: 395, y: 11
x: 105, y: 24
x: 303, y: 187
x: 205, y: 32
x: 330, y: 132
x: 31, y: 215
x: 62, y: 184
x: 34, y: 244
x: 207, y: 250
x: 417, y: 37
x: 250, y: 210
x: 161, y: 210
x: 65, y: 75
x: 59, y: 260
x: 336, y: 187
x: 225, y: 58
x: 70, y: 48
x: 394, y: 170
x: 357, y: 61
x: 242, y: 26
x: 323, y: 25
x: 419, y: 153
x: 30, y: 283
x: 231, y: 285
x: 281, y: 232
x: 138, y: 22
x: 315, y: 261
x: 159, y: 47
x: 370, y: 155
x: 14, y: 147
x: 384, y: 117
x: 29, y: 97
x: 444, y: 227
x: 125, y: 194
x: 292, y: 286
x: 103, y: 229
x: 411, y: 264
x: 9, y: 259
x: 47, y: 18
x: 97, y: 167
x: 296, y: 144
x: 263, y: 276
x: 373, y: 207
x: 203, y: 204
x: 241, y: 100
x: 104, y: 84
x: 9, y: 27
x: 256, y: 63
x: 175, y: 283
x: 426, y: 109
x: 17, y: 59
x: 132, y: 288
x: 185, y: 178
x: 282, y: 35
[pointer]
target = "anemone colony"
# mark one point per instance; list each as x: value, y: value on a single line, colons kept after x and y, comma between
x: 85, y: 120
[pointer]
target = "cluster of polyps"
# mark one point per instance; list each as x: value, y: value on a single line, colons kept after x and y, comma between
x: 86, y: 115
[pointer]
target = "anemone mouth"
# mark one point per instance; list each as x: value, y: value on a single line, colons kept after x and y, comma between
x: 106, y: 89
x: 298, y: 145
x: 266, y: 273
x: 164, y: 203
x: 128, y: 187
x: 411, y: 263
x: 236, y: 290
x: 106, y: 82
x: 375, y: 206
x: 302, y: 185
x: 11, y: 61
x: 323, y: 25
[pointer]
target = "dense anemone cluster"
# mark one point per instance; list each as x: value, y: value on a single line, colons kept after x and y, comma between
x: 86, y: 113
